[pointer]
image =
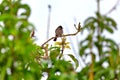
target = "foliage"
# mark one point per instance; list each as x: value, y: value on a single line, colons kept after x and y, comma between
x: 22, y: 59
x: 16, y: 46
x: 98, y: 46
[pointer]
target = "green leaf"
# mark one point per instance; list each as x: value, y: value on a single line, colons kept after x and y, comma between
x: 74, y: 59
x: 89, y: 24
x: 54, y: 48
x: 54, y: 52
x: 98, y: 15
x: 109, y: 29
x: 111, y: 42
x: 102, y: 72
x: 27, y: 10
x: 63, y: 66
x: 111, y: 22
x: 6, y: 17
x: 101, y: 25
x: 82, y: 49
x: 89, y: 20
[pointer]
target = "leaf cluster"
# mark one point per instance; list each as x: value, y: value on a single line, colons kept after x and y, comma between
x: 16, y: 46
x: 101, y: 49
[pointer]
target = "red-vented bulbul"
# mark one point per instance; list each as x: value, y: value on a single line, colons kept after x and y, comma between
x: 58, y: 32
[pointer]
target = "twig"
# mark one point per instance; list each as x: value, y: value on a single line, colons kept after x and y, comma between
x: 45, y: 47
x: 113, y: 8
x: 73, y: 34
x: 63, y: 46
x: 47, y: 41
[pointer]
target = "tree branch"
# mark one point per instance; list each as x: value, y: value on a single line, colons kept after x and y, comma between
x: 46, y: 47
x: 113, y: 8
x: 73, y: 34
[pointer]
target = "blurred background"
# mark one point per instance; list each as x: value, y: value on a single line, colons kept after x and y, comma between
x: 53, y: 13
x: 94, y: 53
x: 67, y: 13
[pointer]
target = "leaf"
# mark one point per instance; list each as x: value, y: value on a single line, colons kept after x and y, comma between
x: 109, y: 29
x: 112, y: 43
x: 38, y: 49
x: 74, y: 59
x: 89, y: 24
x: 89, y: 20
x: 58, y: 43
x: 5, y: 17
x: 82, y: 49
x: 102, y: 72
x: 27, y: 10
x: 54, y: 52
x: 54, y: 48
x: 67, y: 47
x: 111, y: 22
x: 101, y: 25
x: 98, y: 15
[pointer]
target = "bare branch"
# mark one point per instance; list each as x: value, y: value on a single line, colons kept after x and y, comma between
x: 113, y: 8
x: 73, y: 34
x: 47, y: 41
x: 63, y: 47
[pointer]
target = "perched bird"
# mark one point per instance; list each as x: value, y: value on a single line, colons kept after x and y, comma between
x: 58, y: 32
x: 33, y: 33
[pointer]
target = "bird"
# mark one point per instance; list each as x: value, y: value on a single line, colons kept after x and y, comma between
x: 33, y: 33
x: 58, y: 32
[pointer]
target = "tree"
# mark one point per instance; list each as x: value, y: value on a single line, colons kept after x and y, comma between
x: 97, y: 45
x: 16, y: 45
x: 20, y: 57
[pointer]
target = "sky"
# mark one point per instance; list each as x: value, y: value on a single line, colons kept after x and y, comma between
x: 63, y: 13
x: 67, y: 13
